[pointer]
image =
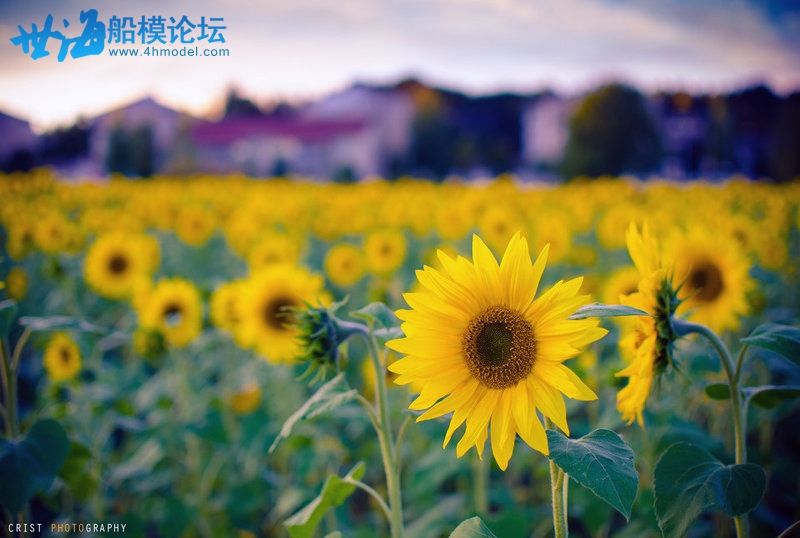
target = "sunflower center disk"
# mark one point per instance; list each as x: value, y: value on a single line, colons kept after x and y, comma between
x: 706, y: 278
x: 276, y: 315
x: 499, y: 347
x: 118, y: 264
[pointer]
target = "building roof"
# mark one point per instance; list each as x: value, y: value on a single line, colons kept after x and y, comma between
x: 230, y: 130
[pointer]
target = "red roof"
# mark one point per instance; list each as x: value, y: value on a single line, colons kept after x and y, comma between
x: 230, y: 130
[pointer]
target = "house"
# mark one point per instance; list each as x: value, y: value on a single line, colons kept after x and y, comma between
x: 274, y: 145
x: 167, y: 128
x: 545, y: 130
x: 18, y: 144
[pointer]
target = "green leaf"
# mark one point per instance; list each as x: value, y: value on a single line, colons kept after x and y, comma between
x: 689, y: 480
x: 718, y: 391
x: 769, y: 396
x: 377, y: 314
x: 334, y: 492
x: 8, y: 311
x: 80, y: 480
x: 600, y: 461
x: 765, y: 396
x: 473, y: 527
x: 781, y: 339
x: 599, y: 310
x: 31, y: 464
x: 58, y: 323
x: 329, y: 396
x: 140, y: 463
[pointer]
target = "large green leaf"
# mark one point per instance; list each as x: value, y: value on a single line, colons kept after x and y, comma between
x: 29, y: 465
x: 600, y: 310
x: 377, y: 314
x: 600, y: 461
x: 334, y: 492
x: 689, y: 480
x: 473, y: 527
x: 76, y: 474
x: 781, y: 339
x: 8, y: 311
x: 766, y: 396
x: 329, y: 396
x: 59, y: 323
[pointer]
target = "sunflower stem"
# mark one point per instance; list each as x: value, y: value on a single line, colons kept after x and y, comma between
x: 9, y: 379
x: 384, y: 431
x: 480, y: 474
x: 732, y: 371
x: 559, y: 495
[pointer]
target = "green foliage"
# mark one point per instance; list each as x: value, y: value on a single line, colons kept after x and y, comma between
x: 473, y: 527
x: 689, y: 480
x: 600, y: 461
x: 77, y: 473
x: 58, y: 323
x: 599, y: 310
x: 29, y: 465
x: 377, y: 315
x: 765, y: 396
x: 8, y: 311
x: 329, y: 396
x: 334, y: 492
x: 781, y: 339
x: 612, y: 132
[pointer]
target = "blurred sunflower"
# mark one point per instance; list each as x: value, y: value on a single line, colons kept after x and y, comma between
x: 173, y: 307
x: 62, y: 358
x: 55, y: 234
x: 344, y: 264
x: 714, y: 271
x: 489, y: 352
x: 497, y: 223
x: 116, y: 261
x: 194, y: 224
x: 16, y: 283
x: 385, y: 251
x: 246, y: 399
x: 646, y: 341
x: 266, y: 298
x: 273, y: 248
x: 623, y: 281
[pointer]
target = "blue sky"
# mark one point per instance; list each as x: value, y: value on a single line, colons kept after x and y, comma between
x: 299, y: 49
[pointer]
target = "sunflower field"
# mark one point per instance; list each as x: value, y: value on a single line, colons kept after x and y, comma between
x: 226, y: 356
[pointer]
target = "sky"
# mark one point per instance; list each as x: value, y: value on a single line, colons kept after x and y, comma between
x: 303, y: 49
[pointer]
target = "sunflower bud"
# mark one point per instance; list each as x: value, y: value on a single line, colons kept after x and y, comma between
x: 321, y: 335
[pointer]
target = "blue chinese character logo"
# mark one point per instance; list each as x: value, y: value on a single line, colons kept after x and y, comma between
x: 90, y: 42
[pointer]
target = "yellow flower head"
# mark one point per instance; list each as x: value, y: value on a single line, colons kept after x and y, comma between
x: 173, y: 307
x: 246, y: 399
x: 385, y: 251
x: 17, y: 283
x: 62, y: 358
x: 264, y: 304
x: 646, y: 340
x: 116, y: 262
x: 344, y: 264
x: 715, y: 275
x: 489, y: 351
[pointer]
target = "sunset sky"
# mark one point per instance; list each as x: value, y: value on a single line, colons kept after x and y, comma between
x: 300, y: 49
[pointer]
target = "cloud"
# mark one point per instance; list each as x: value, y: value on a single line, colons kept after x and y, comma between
x: 308, y: 47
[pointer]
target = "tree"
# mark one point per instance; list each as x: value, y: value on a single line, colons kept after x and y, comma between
x: 612, y: 132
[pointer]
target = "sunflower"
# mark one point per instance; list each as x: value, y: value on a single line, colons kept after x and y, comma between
x: 62, y: 358
x: 17, y: 283
x: 273, y: 248
x: 173, y: 307
x: 194, y: 224
x: 263, y: 309
x: 490, y: 353
x: 646, y: 341
x: 344, y: 264
x: 621, y: 282
x: 247, y: 399
x: 116, y: 261
x: 385, y: 251
x: 714, y: 272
